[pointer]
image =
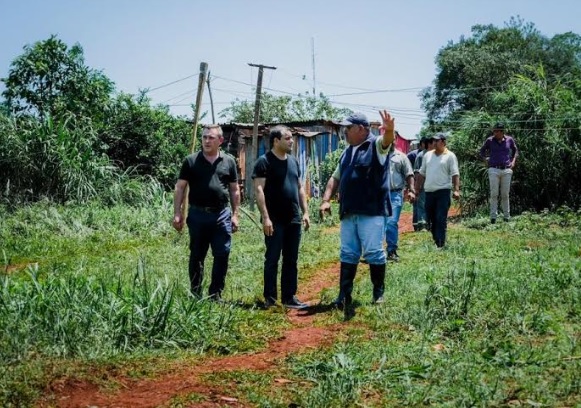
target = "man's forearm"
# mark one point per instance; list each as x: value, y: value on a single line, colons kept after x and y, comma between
x: 330, y: 189
x: 411, y: 184
x: 303, y: 201
x: 388, y: 138
x: 261, y: 203
x: 235, y: 200
x: 178, y: 199
x: 456, y: 182
x: 420, y: 182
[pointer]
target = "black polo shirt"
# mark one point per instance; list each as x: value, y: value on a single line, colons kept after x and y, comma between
x: 209, y: 182
x: 281, y: 190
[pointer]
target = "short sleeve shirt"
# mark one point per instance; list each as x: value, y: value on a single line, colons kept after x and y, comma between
x: 281, y: 189
x: 439, y: 170
x: 400, y: 169
x: 209, y: 182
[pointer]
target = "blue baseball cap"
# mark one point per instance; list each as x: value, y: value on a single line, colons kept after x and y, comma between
x: 355, y: 119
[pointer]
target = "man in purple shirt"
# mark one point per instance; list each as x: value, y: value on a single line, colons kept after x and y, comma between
x: 499, y: 152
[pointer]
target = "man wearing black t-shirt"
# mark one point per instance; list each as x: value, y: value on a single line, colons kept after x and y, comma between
x: 279, y: 194
x: 213, y: 182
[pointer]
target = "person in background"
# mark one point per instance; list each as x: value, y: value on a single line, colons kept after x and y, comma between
x: 439, y: 176
x: 412, y: 158
x: 412, y: 154
x: 499, y: 153
x: 213, y: 184
x: 362, y: 179
x: 420, y: 218
x: 401, y: 175
x: 281, y: 198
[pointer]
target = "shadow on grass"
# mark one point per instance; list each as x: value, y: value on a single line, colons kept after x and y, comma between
x: 348, y: 312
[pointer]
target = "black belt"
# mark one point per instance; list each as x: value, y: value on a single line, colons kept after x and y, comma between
x: 499, y: 167
x: 395, y: 190
x: 208, y: 209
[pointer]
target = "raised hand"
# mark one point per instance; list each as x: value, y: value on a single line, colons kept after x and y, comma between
x: 389, y: 127
x: 388, y: 121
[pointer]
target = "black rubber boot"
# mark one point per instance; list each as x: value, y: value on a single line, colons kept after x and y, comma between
x: 377, y: 273
x: 347, y: 275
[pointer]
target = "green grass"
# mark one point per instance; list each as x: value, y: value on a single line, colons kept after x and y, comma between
x: 109, y: 284
x: 493, y: 319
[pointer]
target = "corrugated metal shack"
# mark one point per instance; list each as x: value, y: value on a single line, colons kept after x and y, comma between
x: 314, y: 140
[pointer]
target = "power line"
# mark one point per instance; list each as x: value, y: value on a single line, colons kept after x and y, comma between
x: 189, y: 93
x: 171, y: 83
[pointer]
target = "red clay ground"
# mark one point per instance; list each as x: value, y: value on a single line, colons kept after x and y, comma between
x: 184, y: 380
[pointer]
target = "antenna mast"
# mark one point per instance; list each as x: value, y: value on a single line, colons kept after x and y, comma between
x: 313, y: 62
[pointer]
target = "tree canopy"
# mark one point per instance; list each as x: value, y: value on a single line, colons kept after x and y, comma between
x: 65, y: 135
x: 51, y: 79
x: 284, y: 108
x: 469, y: 70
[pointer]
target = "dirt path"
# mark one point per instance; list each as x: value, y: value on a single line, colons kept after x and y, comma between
x: 182, y: 381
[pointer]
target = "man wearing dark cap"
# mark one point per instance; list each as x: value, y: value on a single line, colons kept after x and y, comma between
x: 362, y: 179
x: 499, y: 152
x: 439, y: 176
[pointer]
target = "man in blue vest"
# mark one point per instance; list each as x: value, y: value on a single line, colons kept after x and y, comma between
x: 362, y: 179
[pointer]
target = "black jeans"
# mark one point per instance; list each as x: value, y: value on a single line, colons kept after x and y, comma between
x: 286, y: 239
x: 437, y: 205
x: 209, y: 229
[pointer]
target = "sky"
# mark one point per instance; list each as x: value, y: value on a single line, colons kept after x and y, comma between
x: 364, y: 55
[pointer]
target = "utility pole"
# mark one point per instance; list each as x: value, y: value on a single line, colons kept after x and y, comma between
x: 251, y: 159
x: 211, y: 100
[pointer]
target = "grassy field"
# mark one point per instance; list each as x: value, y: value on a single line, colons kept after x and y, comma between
x: 493, y: 320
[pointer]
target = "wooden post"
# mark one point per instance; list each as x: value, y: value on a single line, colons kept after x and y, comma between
x: 211, y: 100
x: 201, y: 81
x: 254, y: 147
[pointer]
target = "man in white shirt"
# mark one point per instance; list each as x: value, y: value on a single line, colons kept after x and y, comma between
x: 439, y: 176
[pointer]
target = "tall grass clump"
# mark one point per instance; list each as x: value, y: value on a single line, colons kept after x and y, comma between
x: 60, y: 160
x: 74, y: 315
x: 51, y: 158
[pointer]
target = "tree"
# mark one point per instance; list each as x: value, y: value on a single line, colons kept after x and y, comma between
x: 284, y: 109
x: 51, y: 79
x: 145, y: 139
x: 475, y: 67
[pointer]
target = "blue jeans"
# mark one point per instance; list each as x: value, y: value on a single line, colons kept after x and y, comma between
x: 209, y: 229
x: 285, y: 239
x: 437, y: 205
x: 362, y: 234
x: 391, y: 227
